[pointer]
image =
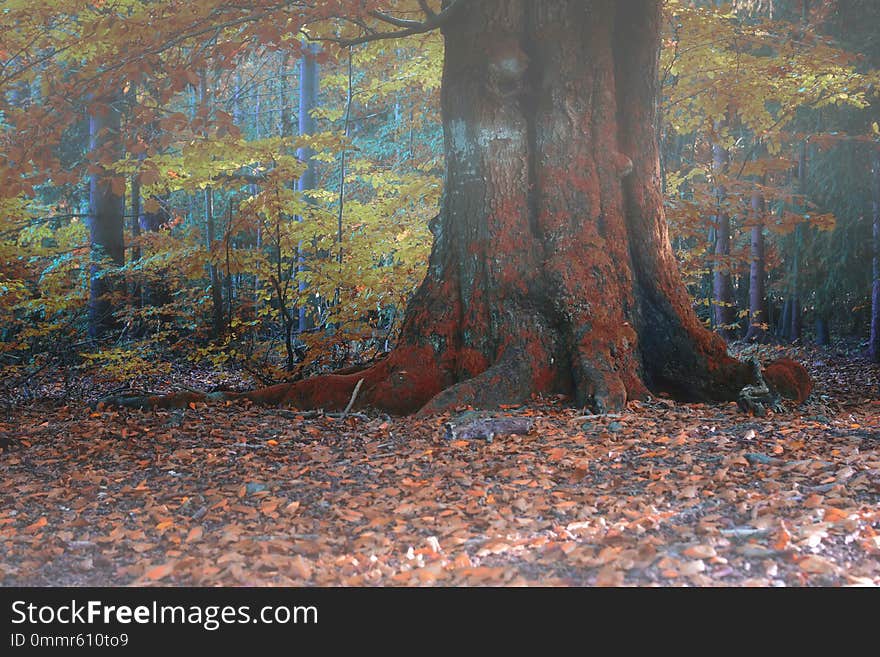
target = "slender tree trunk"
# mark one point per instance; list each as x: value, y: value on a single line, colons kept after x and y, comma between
x: 155, y: 293
x: 784, y: 331
x: 823, y: 337
x: 135, y: 227
x: 794, y: 332
x: 875, y: 261
x: 308, y: 101
x: 722, y: 287
x: 757, y: 315
x: 106, y: 212
x: 213, y: 270
x: 217, y: 325
x: 742, y: 301
x: 551, y: 270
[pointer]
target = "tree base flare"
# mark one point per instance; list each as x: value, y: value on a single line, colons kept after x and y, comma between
x: 393, y: 389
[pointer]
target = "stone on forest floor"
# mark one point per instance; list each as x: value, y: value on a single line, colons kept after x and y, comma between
x: 469, y: 427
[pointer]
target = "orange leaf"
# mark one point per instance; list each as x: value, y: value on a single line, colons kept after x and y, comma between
x: 833, y: 514
x: 699, y: 552
x: 610, y: 576
x: 42, y: 522
x: 160, y: 572
x: 818, y: 565
x: 300, y: 568
x: 783, y: 538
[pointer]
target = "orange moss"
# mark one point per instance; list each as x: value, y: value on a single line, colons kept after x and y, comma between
x: 789, y: 378
x: 469, y: 362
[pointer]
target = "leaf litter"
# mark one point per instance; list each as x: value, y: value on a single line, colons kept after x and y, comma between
x: 662, y: 494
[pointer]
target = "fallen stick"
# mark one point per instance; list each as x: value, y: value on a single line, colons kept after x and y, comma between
x: 354, y: 395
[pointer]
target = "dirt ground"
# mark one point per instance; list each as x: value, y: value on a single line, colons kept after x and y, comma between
x: 664, y: 494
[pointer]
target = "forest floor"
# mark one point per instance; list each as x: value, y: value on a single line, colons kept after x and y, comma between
x: 663, y: 494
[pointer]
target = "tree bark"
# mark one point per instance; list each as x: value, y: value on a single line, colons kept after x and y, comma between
x: 308, y: 100
x: 823, y: 336
x: 875, y: 261
x: 155, y: 293
x: 757, y: 315
x: 217, y: 323
x: 106, y: 213
x: 551, y: 270
x: 794, y: 333
x: 722, y: 287
x: 784, y: 327
x: 134, y: 289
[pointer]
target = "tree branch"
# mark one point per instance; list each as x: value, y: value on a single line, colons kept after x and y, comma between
x: 408, y: 27
x: 430, y: 13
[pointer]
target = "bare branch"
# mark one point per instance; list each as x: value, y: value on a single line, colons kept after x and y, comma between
x: 396, y: 22
x: 430, y: 13
x: 408, y: 27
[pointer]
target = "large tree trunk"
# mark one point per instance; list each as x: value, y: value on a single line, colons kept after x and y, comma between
x: 106, y: 211
x: 552, y: 270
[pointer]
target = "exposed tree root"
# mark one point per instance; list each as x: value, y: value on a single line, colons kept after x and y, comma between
x: 389, y: 387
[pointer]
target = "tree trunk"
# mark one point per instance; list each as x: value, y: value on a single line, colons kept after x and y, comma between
x: 823, y: 337
x: 741, y: 323
x: 155, y: 293
x: 106, y: 213
x: 794, y: 333
x: 134, y: 289
x: 217, y: 324
x: 757, y: 316
x: 308, y: 100
x: 875, y: 262
x: 722, y: 288
x: 784, y: 326
x: 551, y: 270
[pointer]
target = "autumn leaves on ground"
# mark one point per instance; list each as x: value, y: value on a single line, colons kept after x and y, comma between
x: 664, y: 493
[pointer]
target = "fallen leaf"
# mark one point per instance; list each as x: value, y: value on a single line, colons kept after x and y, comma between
x: 818, y: 565
x: 699, y: 552
x: 160, y: 572
x: 300, y: 567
